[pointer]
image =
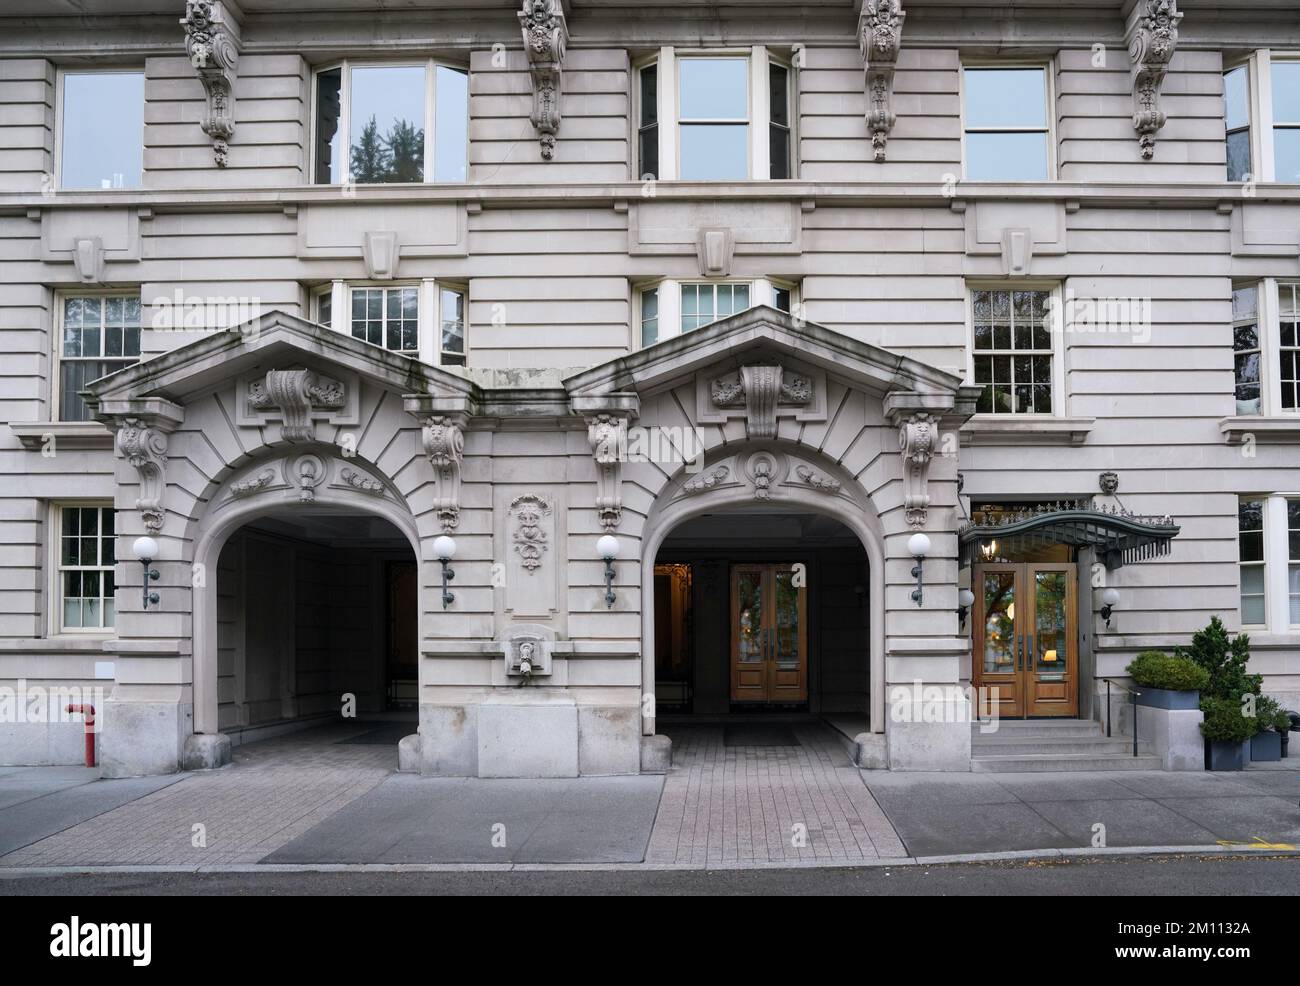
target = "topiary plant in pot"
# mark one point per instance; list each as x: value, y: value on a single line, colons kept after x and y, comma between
x: 1168, y: 681
x: 1271, y: 722
x: 1226, y: 729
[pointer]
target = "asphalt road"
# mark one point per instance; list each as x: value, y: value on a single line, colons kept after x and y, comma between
x: 1108, y: 876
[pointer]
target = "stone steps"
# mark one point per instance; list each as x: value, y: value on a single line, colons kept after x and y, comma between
x: 1069, y: 761
x: 1055, y: 744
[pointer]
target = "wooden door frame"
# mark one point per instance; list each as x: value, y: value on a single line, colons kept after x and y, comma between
x: 767, y: 588
x: 981, y: 622
x: 1069, y: 634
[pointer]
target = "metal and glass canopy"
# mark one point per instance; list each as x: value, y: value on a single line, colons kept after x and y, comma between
x: 1119, y: 537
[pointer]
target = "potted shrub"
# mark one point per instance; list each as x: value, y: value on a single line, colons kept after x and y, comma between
x: 1226, y: 729
x: 1224, y: 660
x: 1168, y: 681
x: 1271, y: 722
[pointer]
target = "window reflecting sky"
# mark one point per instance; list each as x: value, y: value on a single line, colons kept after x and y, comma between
x: 715, y: 152
x: 714, y: 88
x: 1286, y: 91
x: 391, y: 95
x: 451, y: 121
x: 1010, y: 97
x: 1006, y: 156
x: 1234, y: 98
x: 103, y: 130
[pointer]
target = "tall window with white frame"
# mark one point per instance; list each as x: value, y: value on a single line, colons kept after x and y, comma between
x: 99, y: 335
x: 1236, y: 116
x: 425, y: 321
x: 85, y: 568
x: 1246, y: 349
x: 388, y: 317
x: 382, y: 123
x: 1005, y: 114
x: 1293, y: 559
x: 101, y: 129
x: 1286, y: 119
x: 1012, y: 351
x: 670, y: 307
x: 452, y: 321
x: 1250, y: 548
x: 1289, y: 345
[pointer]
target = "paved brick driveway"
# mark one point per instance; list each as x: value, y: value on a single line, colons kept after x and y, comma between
x: 736, y: 805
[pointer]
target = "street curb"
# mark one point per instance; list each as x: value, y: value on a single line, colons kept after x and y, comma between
x: 1021, y: 855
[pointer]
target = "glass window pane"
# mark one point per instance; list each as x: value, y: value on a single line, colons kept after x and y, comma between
x: 1005, y: 97
x: 387, y: 124
x: 649, y: 95
x: 328, y: 101
x: 713, y: 88
x: 451, y: 125
x: 648, y: 141
x: 1286, y: 154
x: 1252, y: 610
x: 778, y: 77
x: 649, y: 317
x: 781, y: 300
x: 102, y: 130
x: 1236, y: 104
x: 715, y: 152
x: 1006, y: 156
x: 325, y: 308
x: 1245, y: 303
x: 1286, y: 91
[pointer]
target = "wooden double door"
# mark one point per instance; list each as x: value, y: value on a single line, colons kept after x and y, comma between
x: 1025, y: 651
x: 769, y: 634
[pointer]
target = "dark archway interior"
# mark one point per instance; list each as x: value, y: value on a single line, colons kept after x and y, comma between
x: 727, y: 601
x: 317, y: 615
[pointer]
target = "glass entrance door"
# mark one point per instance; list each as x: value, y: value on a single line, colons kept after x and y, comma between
x: 1024, y: 647
x: 769, y: 647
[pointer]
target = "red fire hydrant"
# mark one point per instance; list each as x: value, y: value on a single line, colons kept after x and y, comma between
x: 89, y: 712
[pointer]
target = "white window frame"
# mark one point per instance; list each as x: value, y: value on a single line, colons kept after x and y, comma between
x: 60, y: 299
x: 1270, y: 340
x: 1261, y: 341
x: 54, y: 582
x: 762, y: 291
x: 1277, y: 564
x: 1058, y: 334
x: 59, y: 120
x: 1262, y: 124
x: 759, y: 112
x: 1049, y: 111
x: 345, y: 112
x: 429, y: 319
x: 1248, y: 64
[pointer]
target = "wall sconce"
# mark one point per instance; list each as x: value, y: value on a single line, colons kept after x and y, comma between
x: 607, y: 548
x: 444, y: 549
x: 146, y: 550
x: 965, y: 600
x: 918, y: 546
x: 1109, y: 600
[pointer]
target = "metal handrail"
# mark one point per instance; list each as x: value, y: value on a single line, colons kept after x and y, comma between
x: 1133, y: 701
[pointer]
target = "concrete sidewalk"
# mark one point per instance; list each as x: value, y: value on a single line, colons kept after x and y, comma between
x: 952, y: 814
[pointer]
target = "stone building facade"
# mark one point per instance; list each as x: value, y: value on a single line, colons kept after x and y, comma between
x: 760, y: 292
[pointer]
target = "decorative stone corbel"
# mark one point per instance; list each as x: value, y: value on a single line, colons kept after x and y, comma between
x: 145, y: 448
x: 88, y: 257
x: 762, y: 390
x: 296, y: 395
x: 444, y: 444
x: 545, y: 36
x: 917, y: 440
x: 212, y: 42
x: 607, y: 434
x: 1152, y: 38
x: 880, y: 36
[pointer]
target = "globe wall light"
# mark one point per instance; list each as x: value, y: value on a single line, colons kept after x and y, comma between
x: 145, y: 550
x: 607, y: 547
x: 918, y: 546
x: 965, y: 600
x: 1109, y: 600
x: 444, y: 549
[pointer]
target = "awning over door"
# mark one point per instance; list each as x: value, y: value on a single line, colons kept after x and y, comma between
x: 1119, y: 537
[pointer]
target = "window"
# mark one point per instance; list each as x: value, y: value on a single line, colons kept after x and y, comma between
x: 101, y: 130
x: 99, y: 335
x: 669, y: 308
x: 1293, y: 559
x: 1012, y: 351
x: 715, y: 116
x: 1286, y: 120
x: 425, y: 320
x: 1245, y: 348
x: 1005, y: 113
x: 1250, y: 549
x: 1289, y: 344
x: 385, y: 112
x: 85, y: 567
x: 1236, y: 115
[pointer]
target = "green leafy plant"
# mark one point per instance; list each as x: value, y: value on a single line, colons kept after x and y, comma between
x: 1224, y: 659
x: 1269, y: 713
x: 1156, y: 669
x: 1226, y: 722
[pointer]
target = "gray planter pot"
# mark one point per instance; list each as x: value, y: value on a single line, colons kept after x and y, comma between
x: 1220, y: 755
x: 1168, y: 698
x: 1266, y: 746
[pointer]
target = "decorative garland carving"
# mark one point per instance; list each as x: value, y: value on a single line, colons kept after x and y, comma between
x: 816, y: 480
x: 296, y: 394
x: 545, y: 36
x: 1152, y: 39
x: 144, y: 446
x: 253, y: 483
x: 607, y: 434
x: 444, y: 444
x: 880, y: 37
x: 917, y: 439
x: 530, y: 538
x: 706, y: 480
x: 360, y: 481
x: 212, y: 42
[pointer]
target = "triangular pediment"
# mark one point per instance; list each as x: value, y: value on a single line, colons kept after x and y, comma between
x: 274, y: 341
x: 765, y: 336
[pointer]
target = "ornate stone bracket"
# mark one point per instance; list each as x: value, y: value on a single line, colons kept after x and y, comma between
x: 545, y: 36
x: 212, y: 42
x: 880, y: 36
x: 1152, y: 38
x: 142, y: 427
x: 607, y: 434
x: 296, y: 395
x: 762, y: 390
x: 918, y: 439
x: 444, y: 444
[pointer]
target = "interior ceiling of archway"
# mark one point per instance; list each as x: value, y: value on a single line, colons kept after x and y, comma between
x: 761, y: 527
x: 332, y: 527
